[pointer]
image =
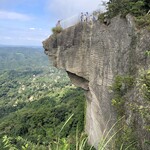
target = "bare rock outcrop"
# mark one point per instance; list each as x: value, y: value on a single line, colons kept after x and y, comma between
x: 93, y: 55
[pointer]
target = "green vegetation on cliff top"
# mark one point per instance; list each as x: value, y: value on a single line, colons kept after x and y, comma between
x: 138, y: 8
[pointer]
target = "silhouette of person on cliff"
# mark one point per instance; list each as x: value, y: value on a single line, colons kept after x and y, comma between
x: 106, y: 19
x: 58, y: 24
x: 94, y: 19
x: 91, y: 19
x: 82, y: 16
x: 87, y: 16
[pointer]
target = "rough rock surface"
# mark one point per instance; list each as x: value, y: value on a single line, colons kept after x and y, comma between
x: 92, y: 55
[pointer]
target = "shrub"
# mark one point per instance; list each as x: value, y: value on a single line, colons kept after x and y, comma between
x: 143, y: 21
x: 126, y: 138
x: 101, y: 17
x: 57, y: 30
x: 145, y: 84
x: 147, y: 53
x: 120, y: 87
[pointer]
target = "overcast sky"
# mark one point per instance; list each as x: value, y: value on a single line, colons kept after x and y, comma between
x: 29, y: 22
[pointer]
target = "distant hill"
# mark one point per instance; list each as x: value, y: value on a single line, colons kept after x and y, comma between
x: 22, y: 58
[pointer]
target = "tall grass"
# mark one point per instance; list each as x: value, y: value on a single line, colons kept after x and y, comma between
x: 65, y: 144
x: 106, y: 139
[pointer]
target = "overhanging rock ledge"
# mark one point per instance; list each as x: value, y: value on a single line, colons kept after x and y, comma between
x: 93, y: 55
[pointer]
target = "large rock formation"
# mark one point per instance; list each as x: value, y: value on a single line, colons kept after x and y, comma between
x: 93, y: 55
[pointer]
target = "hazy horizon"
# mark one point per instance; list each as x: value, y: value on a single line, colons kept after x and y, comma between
x: 21, y: 45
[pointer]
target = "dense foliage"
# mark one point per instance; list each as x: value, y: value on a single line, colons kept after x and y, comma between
x: 36, y: 100
x: 123, y: 7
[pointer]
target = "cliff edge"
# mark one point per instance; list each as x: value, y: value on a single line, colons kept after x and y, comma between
x: 93, y: 56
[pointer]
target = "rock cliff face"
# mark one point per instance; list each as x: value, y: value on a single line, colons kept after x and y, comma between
x: 93, y: 55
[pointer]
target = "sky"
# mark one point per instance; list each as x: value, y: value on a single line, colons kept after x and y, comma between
x: 29, y: 22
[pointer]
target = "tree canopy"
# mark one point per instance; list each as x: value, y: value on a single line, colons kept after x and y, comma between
x: 123, y: 7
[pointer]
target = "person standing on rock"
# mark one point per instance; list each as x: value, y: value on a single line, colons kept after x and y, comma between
x: 91, y: 19
x: 106, y: 19
x: 94, y: 19
x: 82, y: 17
x: 87, y: 16
x: 58, y: 24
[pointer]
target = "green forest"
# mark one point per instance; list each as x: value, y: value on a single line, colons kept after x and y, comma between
x: 36, y: 100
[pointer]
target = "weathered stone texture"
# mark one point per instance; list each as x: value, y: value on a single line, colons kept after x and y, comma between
x: 93, y: 55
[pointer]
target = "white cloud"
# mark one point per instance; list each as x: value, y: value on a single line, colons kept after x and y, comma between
x: 13, y: 16
x: 67, y: 8
x: 37, y: 29
x: 31, y: 28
